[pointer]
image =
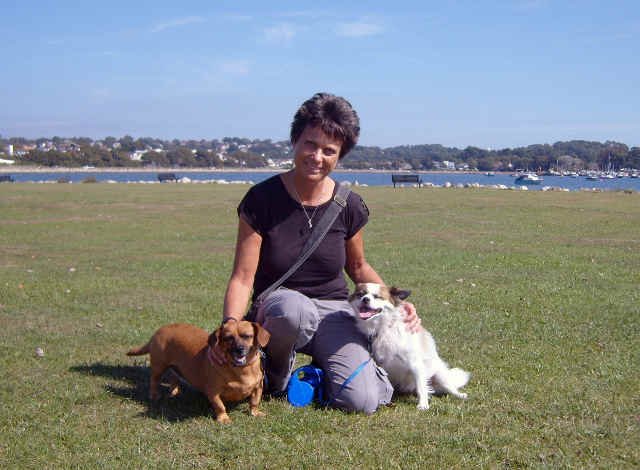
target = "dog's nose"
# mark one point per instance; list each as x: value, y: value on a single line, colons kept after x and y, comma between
x: 365, y: 300
x: 239, y: 349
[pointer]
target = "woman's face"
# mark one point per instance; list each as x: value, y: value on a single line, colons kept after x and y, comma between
x: 315, y: 154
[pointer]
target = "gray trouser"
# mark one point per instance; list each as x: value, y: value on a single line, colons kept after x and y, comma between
x: 326, y: 330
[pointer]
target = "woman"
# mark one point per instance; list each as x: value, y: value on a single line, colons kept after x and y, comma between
x: 310, y: 313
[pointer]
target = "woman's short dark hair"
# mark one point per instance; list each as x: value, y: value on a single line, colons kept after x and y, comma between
x: 333, y: 114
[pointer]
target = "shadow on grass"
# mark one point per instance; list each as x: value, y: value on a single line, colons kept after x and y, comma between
x: 189, y: 404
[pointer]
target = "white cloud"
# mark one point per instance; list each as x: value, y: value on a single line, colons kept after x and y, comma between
x: 282, y: 33
x: 357, y: 29
x: 177, y: 22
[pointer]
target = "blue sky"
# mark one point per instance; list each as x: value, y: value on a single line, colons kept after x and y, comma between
x: 491, y: 74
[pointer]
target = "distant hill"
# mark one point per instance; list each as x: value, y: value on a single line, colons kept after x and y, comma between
x: 246, y: 153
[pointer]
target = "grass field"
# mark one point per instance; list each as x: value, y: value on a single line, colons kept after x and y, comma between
x: 536, y: 293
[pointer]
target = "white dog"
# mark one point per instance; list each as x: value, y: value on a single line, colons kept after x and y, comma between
x: 410, y: 359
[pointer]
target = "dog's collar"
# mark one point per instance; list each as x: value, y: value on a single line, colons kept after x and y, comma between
x: 256, y: 356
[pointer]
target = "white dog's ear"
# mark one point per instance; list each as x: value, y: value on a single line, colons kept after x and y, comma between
x: 399, y: 293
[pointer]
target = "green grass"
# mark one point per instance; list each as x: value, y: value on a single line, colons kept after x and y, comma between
x: 537, y: 294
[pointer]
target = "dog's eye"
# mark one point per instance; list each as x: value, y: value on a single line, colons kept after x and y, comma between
x: 246, y: 336
x: 227, y: 338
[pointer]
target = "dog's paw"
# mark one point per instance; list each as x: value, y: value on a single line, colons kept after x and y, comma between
x: 223, y: 418
x: 423, y: 406
x: 257, y: 413
x: 463, y: 396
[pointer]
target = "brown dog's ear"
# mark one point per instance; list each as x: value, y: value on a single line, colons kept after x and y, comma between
x: 262, y: 335
x: 399, y: 293
x: 214, y: 337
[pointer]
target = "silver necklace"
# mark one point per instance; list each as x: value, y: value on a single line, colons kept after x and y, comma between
x: 306, y: 214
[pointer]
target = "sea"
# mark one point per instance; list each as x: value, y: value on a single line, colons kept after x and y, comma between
x: 368, y: 178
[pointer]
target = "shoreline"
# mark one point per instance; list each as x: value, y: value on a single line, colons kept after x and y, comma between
x: 38, y: 169
x: 436, y: 179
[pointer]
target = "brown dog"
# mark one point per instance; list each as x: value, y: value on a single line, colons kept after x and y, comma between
x: 184, y: 348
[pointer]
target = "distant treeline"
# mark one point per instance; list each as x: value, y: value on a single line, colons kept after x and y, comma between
x: 572, y: 155
x: 241, y: 152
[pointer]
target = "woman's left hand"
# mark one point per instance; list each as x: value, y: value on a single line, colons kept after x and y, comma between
x: 411, y: 320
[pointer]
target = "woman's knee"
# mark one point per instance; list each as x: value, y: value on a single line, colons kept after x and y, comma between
x: 365, y: 393
x: 357, y: 401
x: 290, y: 314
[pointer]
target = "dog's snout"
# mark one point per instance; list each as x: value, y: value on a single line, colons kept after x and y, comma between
x: 366, y: 300
x: 239, y: 349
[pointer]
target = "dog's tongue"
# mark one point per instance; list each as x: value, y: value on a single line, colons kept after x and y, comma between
x: 240, y: 361
x: 367, y: 313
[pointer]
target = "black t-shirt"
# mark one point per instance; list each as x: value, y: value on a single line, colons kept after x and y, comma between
x: 279, y: 219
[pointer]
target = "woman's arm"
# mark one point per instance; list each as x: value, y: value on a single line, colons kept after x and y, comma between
x: 357, y: 267
x: 244, y: 270
x: 241, y: 281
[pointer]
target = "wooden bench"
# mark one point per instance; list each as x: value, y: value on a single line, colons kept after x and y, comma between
x: 162, y: 177
x: 406, y: 178
x: 6, y: 179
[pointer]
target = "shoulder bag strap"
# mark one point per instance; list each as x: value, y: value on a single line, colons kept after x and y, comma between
x: 338, y: 203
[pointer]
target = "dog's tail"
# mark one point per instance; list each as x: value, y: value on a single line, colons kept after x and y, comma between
x: 450, y: 381
x: 140, y: 351
x: 458, y: 377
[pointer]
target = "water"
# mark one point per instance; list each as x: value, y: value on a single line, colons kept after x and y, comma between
x: 367, y: 178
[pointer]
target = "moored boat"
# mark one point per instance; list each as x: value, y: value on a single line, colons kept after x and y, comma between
x: 528, y: 178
